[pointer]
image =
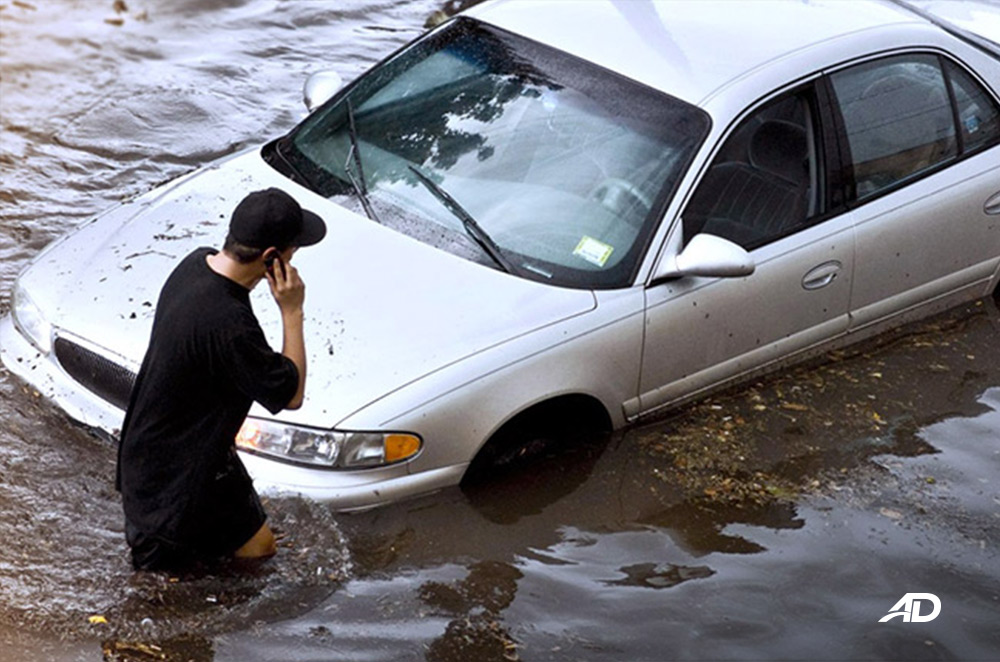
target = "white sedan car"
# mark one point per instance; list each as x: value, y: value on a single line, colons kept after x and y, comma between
x: 557, y: 215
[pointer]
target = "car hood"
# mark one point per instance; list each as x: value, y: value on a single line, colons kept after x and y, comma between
x: 382, y: 309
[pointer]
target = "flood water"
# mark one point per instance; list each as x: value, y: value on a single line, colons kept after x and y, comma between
x: 780, y: 520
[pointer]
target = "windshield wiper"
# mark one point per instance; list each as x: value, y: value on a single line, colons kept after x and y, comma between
x: 360, y: 187
x: 473, y: 228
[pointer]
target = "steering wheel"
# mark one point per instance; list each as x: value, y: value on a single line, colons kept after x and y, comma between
x: 619, y: 195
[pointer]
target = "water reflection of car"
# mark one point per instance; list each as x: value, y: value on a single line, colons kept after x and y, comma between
x: 532, y: 231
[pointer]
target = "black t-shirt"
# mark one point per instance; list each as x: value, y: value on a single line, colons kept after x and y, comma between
x: 207, y: 362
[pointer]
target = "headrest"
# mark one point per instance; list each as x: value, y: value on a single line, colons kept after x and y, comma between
x: 780, y: 147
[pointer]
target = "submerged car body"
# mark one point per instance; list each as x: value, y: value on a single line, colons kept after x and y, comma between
x: 593, y: 209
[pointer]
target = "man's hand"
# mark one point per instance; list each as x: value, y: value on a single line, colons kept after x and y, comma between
x: 289, y: 292
x: 287, y: 287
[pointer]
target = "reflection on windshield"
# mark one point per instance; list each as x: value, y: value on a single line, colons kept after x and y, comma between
x: 565, y: 165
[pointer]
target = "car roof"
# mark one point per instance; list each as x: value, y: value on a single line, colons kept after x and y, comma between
x: 691, y: 48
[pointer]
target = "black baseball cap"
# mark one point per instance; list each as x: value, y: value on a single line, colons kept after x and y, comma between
x: 273, y: 218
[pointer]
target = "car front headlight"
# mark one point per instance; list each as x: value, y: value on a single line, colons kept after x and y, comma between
x: 332, y: 449
x: 29, y: 320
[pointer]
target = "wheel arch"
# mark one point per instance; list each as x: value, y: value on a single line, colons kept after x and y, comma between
x: 557, y: 416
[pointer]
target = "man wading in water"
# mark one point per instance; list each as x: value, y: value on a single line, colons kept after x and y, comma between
x: 185, y: 492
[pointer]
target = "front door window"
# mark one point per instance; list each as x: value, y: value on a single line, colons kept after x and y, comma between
x: 764, y: 183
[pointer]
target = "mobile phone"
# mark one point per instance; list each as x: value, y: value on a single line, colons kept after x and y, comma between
x: 269, y: 261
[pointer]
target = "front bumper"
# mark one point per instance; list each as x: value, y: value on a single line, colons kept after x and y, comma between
x: 344, y: 490
x: 45, y: 374
x: 348, y: 490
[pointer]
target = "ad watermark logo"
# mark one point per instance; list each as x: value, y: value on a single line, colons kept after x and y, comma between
x: 909, y: 608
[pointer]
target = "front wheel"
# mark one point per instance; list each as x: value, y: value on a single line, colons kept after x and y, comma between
x: 542, y: 431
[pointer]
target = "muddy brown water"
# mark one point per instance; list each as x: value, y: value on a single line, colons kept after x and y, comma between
x: 780, y: 520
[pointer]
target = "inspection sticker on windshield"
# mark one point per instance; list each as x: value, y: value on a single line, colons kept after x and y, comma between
x: 593, y: 251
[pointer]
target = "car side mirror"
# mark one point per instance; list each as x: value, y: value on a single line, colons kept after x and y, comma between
x: 320, y: 88
x: 706, y: 255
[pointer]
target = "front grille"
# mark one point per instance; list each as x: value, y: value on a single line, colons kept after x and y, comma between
x: 96, y: 373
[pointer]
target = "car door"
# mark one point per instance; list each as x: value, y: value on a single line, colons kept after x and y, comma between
x: 919, y: 135
x: 771, y: 188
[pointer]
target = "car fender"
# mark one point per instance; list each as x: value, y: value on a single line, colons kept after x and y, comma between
x: 457, y: 409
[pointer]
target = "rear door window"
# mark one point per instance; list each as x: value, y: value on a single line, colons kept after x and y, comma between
x: 898, y: 118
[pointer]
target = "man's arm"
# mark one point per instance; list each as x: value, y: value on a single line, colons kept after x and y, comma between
x: 289, y: 292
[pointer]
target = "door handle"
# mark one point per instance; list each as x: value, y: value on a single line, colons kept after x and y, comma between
x: 822, y: 275
x: 992, y: 206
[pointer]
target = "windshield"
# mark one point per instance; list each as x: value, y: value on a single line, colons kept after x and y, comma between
x: 561, y: 166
